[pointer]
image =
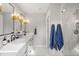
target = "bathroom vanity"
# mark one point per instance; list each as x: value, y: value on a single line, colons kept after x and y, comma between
x: 18, y: 47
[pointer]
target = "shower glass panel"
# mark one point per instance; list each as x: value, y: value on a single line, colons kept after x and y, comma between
x: 66, y: 14
x: 69, y: 20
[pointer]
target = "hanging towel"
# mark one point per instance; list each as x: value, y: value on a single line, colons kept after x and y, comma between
x: 55, y: 41
x: 58, y: 41
x: 52, y: 36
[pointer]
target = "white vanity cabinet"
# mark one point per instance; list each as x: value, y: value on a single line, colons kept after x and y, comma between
x: 13, y: 50
x: 23, y: 51
x: 19, y: 47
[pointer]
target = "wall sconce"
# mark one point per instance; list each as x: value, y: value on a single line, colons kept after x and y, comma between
x: 17, y: 17
x: 26, y: 21
x: 1, y: 8
x: 21, y: 18
x: 14, y: 16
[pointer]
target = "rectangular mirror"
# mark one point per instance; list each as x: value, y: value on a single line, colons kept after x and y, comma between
x: 18, y: 25
x: 7, y: 21
x: 1, y: 23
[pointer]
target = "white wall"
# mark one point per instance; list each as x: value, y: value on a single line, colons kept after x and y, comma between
x: 38, y: 21
x: 68, y: 21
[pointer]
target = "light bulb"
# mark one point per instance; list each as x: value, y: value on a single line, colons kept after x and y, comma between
x: 26, y: 21
x: 18, y: 16
x: 13, y: 16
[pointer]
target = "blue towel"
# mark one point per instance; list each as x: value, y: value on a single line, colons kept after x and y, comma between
x: 58, y: 40
x: 52, y: 36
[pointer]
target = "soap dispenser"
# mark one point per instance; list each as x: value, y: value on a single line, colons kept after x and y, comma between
x: 35, y: 31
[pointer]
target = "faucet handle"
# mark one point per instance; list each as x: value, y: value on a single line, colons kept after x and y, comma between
x: 8, y: 41
x: 12, y: 32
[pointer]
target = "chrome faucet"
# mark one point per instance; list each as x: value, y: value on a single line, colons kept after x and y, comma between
x: 13, y: 37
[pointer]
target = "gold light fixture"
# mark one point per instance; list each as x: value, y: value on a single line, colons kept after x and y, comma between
x: 14, y: 16
x: 26, y: 21
x: 1, y: 7
x: 19, y: 18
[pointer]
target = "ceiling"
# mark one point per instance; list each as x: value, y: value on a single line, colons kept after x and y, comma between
x: 7, y: 8
x: 33, y: 7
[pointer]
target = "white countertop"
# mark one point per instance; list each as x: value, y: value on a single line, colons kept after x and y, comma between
x: 16, y: 45
x: 11, y: 48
